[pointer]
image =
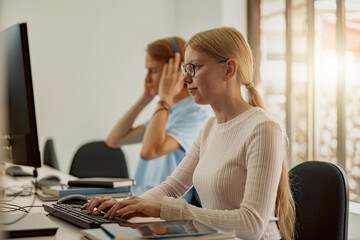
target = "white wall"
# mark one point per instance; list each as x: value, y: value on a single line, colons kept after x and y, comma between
x: 88, y: 56
x: 87, y: 61
x: 198, y: 15
x: 234, y: 14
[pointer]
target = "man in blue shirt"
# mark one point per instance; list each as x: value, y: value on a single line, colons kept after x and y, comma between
x: 174, y: 124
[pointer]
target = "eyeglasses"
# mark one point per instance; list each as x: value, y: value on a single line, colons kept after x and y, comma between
x: 190, y: 68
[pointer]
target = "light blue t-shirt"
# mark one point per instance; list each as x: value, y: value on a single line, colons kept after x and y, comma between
x: 184, y: 122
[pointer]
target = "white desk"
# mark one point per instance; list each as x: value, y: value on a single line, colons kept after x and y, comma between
x: 66, y: 231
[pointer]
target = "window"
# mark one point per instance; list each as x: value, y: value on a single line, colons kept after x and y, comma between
x: 352, y: 96
x: 310, y: 77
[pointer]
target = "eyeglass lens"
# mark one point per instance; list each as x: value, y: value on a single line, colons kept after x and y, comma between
x: 189, y: 69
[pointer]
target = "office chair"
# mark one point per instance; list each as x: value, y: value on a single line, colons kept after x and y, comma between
x: 49, y: 155
x: 196, y: 199
x: 96, y: 159
x: 321, y: 196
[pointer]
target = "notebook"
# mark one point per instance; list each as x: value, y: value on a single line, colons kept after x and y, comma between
x: 62, y: 191
x: 33, y: 224
x: 102, y: 182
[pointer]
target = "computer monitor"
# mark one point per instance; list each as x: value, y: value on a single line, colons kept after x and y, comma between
x: 19, y: 135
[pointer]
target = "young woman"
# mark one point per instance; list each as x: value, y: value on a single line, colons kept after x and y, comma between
x: 237, y: 163
x: 167, y: 135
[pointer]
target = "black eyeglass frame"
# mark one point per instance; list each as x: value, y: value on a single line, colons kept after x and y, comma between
x: 183, y: 67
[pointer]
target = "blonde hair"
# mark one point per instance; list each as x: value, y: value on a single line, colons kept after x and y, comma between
x: 228, y: 43
x: 161, y: 50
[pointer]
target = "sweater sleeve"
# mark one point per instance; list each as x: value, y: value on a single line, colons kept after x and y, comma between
x: 180, y: 181
x: 264, y: 157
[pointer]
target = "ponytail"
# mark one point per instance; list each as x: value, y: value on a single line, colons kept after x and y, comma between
x: 285, y: 206
x: 254, y: 98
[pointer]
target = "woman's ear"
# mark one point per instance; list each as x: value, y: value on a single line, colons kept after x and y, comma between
x: 231, y: 68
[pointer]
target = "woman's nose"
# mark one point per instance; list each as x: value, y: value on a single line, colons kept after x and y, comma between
x: 186, y: 78
x: 148, y: 77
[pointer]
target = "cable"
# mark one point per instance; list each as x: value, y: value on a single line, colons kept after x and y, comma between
x: 15, y: 191
x: 12, y: 208
x: 22, y: 216
x: 31, y: 206
x: 51, y: 213
x: 22, y: 208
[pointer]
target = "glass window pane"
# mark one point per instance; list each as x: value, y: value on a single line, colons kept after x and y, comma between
x: 352, y: 72
x: 272, y: 82
x: 325, y: 81
x: 299, y: 82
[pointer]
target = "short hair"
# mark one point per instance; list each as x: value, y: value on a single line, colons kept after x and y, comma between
x: 162, y: 50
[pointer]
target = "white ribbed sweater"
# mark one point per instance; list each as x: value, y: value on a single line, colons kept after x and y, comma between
x: 235, y: 168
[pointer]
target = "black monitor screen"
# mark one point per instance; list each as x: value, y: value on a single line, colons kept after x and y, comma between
x: 21, y: 131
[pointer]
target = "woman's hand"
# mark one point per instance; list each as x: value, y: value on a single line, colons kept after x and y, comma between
x: 134, y: 207
x: 171, y: 80
x: 102, y: 204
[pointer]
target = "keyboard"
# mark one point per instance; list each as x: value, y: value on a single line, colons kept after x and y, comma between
x: 73, y: 214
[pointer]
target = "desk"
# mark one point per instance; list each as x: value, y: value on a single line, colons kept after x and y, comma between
x: 66, y: 231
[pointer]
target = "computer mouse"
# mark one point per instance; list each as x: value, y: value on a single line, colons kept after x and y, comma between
x: 51, y: 180
x: 75, y: 199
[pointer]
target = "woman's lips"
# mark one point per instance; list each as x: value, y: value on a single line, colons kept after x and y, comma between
x: 192, y: 90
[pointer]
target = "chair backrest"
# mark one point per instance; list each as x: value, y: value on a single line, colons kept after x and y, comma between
x: 96, y: 159
x: 49, y: 155
x: 196, y: 199
x: 321, y: 196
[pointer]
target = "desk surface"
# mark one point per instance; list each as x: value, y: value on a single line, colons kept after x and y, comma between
x: 66, y: 231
